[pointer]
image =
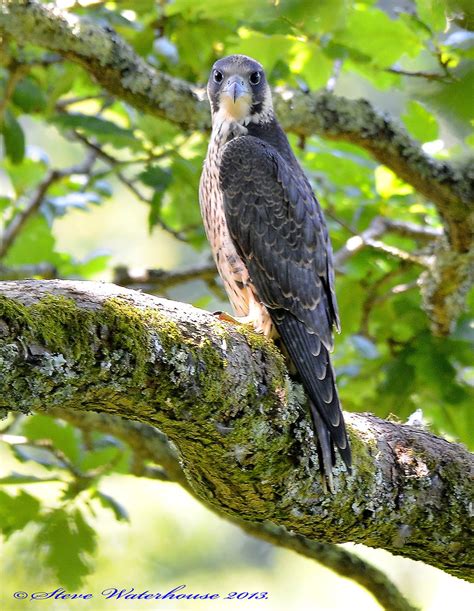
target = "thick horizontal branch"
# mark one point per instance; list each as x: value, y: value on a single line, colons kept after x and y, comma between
x: 122, y: 72
x: 222, y: 396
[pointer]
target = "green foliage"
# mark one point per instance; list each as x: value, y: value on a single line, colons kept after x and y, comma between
x: 64, y: 535
x: 13, y: 138
x: 421, y: 124
x: 386, y: 358
x: 17, y: 511
x: 66, y: 542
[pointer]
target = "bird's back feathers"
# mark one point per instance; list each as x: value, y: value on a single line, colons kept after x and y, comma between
x: 278, y: 229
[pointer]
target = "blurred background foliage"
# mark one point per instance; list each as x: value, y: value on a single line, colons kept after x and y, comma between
x: 107, y: 187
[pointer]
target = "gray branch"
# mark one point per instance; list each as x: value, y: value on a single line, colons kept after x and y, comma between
x: 222, y: 396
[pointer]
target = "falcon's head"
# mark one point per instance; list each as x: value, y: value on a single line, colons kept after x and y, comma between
x: 238, y: 90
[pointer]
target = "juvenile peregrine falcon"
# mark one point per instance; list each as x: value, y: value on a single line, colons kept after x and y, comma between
x: 269, y: 238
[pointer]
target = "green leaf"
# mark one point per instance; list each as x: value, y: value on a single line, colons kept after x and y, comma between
x: 313, y: 64
x: 109, y: 502
x: 64, y: 436
x: 17, y: 511
x: 470, y: 140
x: 158, y: 131
x: 216, y: 9
x: 154, y: 215
x: 29, y: 96
x: 90, y: 267
x: 16, y: 479
x: 421, y: 124
x: 432, y: 13
x: 67, y: 541
x: 13, y: 137
x: 103, y: 129
x: 156, y: 177
x: 400, y: 378
x: 100, y: 457
x: 373, y: 33
x: 25, y: 175
x: 35, y: 246
x: 267, y: 49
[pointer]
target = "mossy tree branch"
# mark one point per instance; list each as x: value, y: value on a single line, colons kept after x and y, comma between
x: 117, y: 68
x: 223, y: 397
x: 150, y: 445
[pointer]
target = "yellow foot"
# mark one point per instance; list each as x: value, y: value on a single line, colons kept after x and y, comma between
x: 235, y: 320
x: 256, y: 324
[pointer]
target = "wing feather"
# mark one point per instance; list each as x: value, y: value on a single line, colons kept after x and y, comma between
x: 277, y: 227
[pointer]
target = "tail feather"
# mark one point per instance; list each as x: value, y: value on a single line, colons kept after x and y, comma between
x: 311, y: 359
x: 326, y: 454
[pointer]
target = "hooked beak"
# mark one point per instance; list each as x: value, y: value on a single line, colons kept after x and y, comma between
x: 235, y: 88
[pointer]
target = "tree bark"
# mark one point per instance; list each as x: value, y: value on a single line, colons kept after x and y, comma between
x: 222, y: 395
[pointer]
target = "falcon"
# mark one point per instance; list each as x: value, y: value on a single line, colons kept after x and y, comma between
x: 269, y: 240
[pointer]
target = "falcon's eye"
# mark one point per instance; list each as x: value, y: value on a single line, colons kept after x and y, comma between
x: 218, y: 76
x: 255, y: 78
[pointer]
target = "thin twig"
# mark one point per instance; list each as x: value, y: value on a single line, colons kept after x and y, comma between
x: 163, y: 279
x: 430, y: 76
x: 130, y: 184
x: 422, y: 260
x: 61, y: 105
x: 42, y: 444
x: 378, y: 227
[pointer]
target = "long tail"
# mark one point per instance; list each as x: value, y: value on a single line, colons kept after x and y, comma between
x: 313, y: 364
x: 326, y: 455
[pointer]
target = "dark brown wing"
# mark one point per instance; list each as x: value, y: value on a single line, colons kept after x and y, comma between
x: 277, y: 226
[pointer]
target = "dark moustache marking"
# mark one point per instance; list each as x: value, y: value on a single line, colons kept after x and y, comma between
x: 256, y: 108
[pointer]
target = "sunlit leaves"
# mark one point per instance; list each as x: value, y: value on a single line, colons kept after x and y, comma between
x: 388, y: 184
x: 381, y: 39
x: 216, y: 9
x: 66, y: 541
x: 106, y: 131
x: 266, y: 49
x: 36, y: 245
x: 155, y: 177
x: 180, y: 206
x: 17, y: 511
x: 433, y: 13
x: 421, y: 124
x: 64, y: 436
x: 25, y: 176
